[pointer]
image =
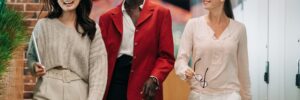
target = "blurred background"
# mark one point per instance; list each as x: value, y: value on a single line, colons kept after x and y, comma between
x: 273, y: 44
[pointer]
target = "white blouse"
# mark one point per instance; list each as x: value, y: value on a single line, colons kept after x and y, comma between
x: 128, y: 33
x: 226, y: 58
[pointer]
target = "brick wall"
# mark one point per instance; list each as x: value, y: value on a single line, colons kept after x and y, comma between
x: 31, y: 10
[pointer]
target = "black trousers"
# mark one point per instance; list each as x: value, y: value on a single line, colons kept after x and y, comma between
x: 119, y: 82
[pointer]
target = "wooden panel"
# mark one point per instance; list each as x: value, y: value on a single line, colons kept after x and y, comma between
x: 175, y: 88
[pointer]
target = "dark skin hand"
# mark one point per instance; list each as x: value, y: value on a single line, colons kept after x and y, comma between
x: 149, y: 89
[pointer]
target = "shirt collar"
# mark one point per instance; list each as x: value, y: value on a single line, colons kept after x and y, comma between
x: 123, y: 5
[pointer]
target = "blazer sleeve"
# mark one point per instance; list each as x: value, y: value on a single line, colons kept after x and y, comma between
x: 97, y: 68
x: 243, y: 67
x: 102, y: 24
x: 165, y: 61
x: 185, y: 51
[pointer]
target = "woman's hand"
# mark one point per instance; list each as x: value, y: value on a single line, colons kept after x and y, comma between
x: 39, y: 69
x: 189, y: 73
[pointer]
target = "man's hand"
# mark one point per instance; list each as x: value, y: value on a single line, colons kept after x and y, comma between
x: 149, y: 89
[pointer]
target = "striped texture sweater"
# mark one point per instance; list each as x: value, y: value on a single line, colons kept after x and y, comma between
x: 62, y: 46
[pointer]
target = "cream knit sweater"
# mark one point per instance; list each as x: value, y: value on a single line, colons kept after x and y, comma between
x: 59, y: 45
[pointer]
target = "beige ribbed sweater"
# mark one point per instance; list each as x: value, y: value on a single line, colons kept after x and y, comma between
x: 59, y: 45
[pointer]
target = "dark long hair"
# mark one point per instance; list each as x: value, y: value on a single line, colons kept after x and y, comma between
x: 82, y: 16
x: 228, y: 9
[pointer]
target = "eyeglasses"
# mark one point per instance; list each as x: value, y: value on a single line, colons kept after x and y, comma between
x: 199, y: 77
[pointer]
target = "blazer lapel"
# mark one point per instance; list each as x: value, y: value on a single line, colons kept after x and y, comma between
x: 118, y: 19
x: 117, y: 15
x: 146, y: 13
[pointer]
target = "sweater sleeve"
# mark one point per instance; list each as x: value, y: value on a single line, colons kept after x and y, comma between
x: 185, y: 51
x: 31, y: 56
x: 31, y: 52
x: 97, y: 68
x: 243, y: 67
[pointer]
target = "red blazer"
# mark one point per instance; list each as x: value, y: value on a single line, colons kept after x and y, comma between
x: 153, y: 46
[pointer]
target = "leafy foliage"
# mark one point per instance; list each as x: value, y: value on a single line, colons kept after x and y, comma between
x: 12, y: 33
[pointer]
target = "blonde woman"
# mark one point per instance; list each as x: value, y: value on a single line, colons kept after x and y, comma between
x: 73, y: 58
x: 217, y: 45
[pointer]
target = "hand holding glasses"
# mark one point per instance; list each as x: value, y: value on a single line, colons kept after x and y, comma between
x: 199, y: 77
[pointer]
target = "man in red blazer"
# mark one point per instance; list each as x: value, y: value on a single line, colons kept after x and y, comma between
x: 139, y: 43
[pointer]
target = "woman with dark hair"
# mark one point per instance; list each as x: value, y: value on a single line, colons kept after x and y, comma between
x: 67, y: 53
x: 217, y: 45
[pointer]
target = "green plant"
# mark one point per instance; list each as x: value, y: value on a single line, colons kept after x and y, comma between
x: 12, y: 33
x: 2, y: 5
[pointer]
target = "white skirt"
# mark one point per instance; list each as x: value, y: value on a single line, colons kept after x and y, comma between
x: 225, y: 96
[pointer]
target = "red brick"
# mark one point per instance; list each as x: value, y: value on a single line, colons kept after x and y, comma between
x: 21, y: 1
x: 26, y: 71
x: 29, y: 30
x: 33, y: 7
x: 35, y: 14
x: 30, y: 22
x: 29, y: 87
x: 28, y: 95
x: 28, y: 79
x: 42, y: 14
x: 28, y: 1
x: 15, y: 6
x: 30, y: 14
x: 34, y: 1
x: 11, y: 1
